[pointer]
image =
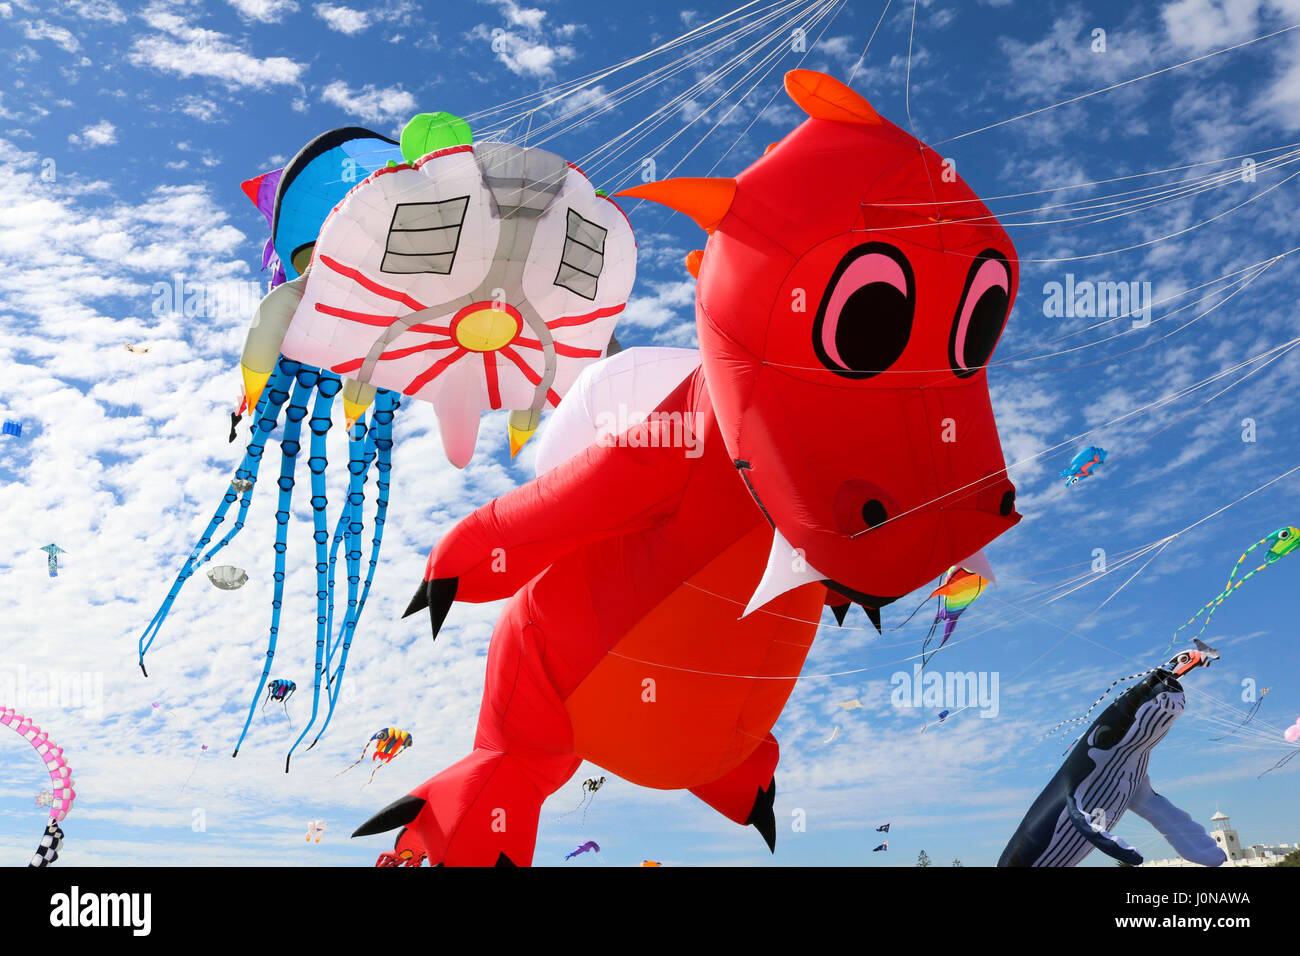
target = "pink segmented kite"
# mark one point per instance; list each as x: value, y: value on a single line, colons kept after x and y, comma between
x: 60, y: 772
x: 60, y: 779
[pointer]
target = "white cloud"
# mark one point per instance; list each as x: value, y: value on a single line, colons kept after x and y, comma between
x: 524, y: 49
x: 195, y: 52
x: 264, y: 11
x: 342, y: 19
x: 371, y: 103
x: 664, y: 305
x: 530, y: 18
x: 1198, y: 26
x: 200, y: 108
x: 59, y: 35
x: 102, y: 11
x: 102, y: 133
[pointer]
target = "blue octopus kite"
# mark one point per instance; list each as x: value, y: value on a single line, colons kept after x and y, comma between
x: 291, y: 387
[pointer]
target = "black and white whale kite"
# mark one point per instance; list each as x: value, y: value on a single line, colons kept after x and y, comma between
x: 1106, y: 775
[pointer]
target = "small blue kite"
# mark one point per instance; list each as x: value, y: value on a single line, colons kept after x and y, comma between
x: 1082, y: 464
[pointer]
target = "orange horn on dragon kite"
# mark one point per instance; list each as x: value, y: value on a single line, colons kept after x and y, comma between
x: 835, y: 442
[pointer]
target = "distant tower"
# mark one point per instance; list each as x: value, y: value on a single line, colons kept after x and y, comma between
x: 1225, y: 836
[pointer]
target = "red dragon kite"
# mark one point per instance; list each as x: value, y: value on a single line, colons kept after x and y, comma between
x: 664, y: 587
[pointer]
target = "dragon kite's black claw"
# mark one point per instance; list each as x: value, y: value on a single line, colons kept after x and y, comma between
x: 437, y: 595
x: 762, y: 817
x: 397, y: 814
x: 419, y: 602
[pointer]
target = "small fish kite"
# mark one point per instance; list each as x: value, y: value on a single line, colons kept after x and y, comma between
x: 315, y: 828
x: 12, y: 428
x: 53, y: 551
x: 651, y: 863
x: 1278, y: 545
x: 1082, y: 464
x: 883, y: 846
x: 853, y: 704
x: 227, y: 577
x: 1249, y: 716
x: 139, y: 349
x: 883, y: 829
x: 589, y: 846
x: 388, y: 742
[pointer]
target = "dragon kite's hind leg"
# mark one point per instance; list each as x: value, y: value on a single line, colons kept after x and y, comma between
x: 483, y: 810
x: 746, y: 794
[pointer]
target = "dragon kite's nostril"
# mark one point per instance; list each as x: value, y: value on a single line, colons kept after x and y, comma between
x: 861, y: 506
x: 873, y: 513
x: 1008, y: 503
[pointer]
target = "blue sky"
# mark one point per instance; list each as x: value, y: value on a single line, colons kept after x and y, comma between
x: 125, y: 131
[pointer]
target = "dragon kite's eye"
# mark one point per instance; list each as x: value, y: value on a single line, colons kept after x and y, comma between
x: 865, y: 317
x: 981, y: 313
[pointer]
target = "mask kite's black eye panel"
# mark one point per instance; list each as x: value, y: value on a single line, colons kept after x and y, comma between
x: 583, y: 257
x: 424, y: 237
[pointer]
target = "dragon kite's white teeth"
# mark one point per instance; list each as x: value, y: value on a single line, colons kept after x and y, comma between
x: 979, y: 563
x: 786, y: 570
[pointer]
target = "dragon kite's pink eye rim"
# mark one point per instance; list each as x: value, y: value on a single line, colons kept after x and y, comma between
x: 865, y: 318
x: 981, y: 313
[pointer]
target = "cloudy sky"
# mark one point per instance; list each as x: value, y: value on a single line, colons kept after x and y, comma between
x: 125, y: 131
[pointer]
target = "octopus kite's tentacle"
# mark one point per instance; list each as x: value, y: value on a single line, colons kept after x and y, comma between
x: 360, y: 452
x: 355, y: 526
x: 381, y: 431
x: 328, y: 387
x: 305, y: 379
x: 387, y: 404
x: 268, y: 410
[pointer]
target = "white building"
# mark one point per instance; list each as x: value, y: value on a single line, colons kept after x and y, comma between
x: 1257, y: 854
